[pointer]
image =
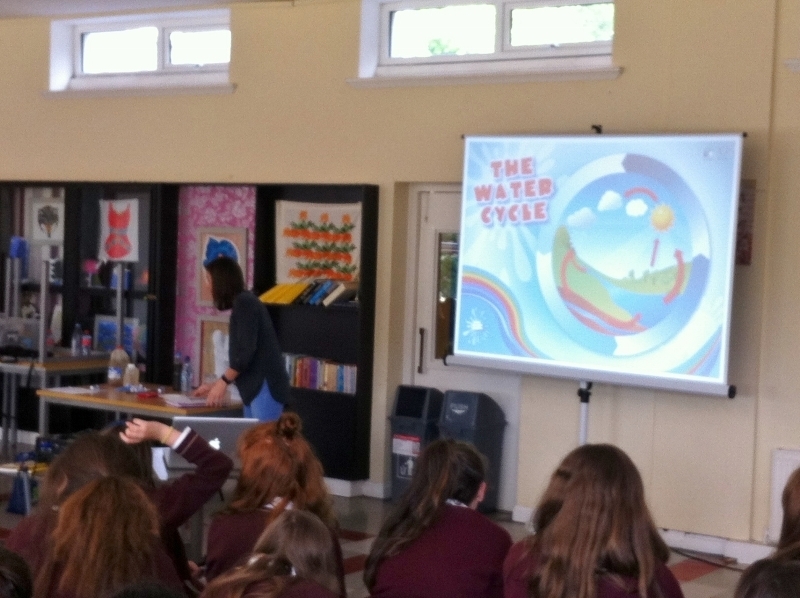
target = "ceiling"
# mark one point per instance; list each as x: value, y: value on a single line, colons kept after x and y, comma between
x: 53, y: 8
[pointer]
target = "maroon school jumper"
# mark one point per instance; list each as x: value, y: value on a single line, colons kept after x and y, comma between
x: 459, y: 556
x: 518, y: 565
x: 162, y: 572
x: 177, y: 500
x: 301, y: 589
x: 232, y: 536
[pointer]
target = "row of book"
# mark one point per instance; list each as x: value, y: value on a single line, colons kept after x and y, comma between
x: 319, y: 374
x: 318, y: 292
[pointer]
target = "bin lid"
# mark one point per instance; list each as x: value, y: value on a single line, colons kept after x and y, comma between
x: 465, y: 409
x: 418, y: 402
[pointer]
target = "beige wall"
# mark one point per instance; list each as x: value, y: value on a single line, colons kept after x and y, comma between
x: 689, y: 66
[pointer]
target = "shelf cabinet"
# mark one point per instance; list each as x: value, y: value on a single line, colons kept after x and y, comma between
x: 336, y: 424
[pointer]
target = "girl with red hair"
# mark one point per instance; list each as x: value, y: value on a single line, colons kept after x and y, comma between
x: 279, y: 472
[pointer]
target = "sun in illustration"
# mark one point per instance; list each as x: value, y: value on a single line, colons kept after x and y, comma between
x: 662, y: 218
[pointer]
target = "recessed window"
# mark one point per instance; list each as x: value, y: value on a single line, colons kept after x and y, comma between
x: 135, y: 51
x: 436, y: 37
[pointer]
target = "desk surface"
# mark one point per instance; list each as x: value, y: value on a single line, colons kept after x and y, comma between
x: 58, y: 365
x: 110, y: 398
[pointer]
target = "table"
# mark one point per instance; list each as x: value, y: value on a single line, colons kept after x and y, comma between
x: 113, y: 399
x: 51, y: 370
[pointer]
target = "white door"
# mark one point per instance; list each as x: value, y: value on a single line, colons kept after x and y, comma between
x: 434, y: 217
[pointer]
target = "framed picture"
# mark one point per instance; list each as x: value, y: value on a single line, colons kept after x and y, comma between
x: 213, y: 339
x: 317, y: 240
x: 105, y: 334
x: 213, y: 243
x: 44, y: 215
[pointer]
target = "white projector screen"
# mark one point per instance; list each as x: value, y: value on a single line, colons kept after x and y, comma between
x: 600, y: 258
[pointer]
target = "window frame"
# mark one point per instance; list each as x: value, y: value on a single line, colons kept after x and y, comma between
x: 591, y: 60
x: 66, y: 53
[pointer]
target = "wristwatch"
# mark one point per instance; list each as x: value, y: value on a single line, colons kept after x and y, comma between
x: 225, y: 379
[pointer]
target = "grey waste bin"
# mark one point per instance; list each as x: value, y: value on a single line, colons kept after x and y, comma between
x: 476, y: 418
x: 415, y: 424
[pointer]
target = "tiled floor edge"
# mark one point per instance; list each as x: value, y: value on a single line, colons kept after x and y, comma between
x: 743, y: 552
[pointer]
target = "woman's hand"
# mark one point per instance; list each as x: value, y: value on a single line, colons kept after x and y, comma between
x: 218, y: 394
x: 202, y: 390
x: 139, y: 430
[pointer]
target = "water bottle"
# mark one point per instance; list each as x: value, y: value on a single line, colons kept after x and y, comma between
x: 75, y: 343
x: 117, y: 363
x: 186, y: 376
x: 86, y: 343
x: 177, y: 371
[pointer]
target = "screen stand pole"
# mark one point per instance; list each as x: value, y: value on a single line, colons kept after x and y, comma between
x: 584, y: 392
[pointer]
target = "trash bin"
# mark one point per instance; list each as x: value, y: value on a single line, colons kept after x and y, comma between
x: 477, y: 418
x: 415, y: 424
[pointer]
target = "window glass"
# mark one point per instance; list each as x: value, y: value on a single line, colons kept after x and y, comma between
x: 200, y: 47
x: 555, y: 25
x: 449, y: 30
x: 126, y: 51
x: 446, y: 293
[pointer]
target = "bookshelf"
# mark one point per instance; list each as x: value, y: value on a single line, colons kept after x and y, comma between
x: 337, y: 424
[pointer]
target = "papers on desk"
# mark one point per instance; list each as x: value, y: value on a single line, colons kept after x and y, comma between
x: 75, y: 390
x: 180, y: 400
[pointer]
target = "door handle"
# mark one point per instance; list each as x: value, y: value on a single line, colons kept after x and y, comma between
x: 421, y: 364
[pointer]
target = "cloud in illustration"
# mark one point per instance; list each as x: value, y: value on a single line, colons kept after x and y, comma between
x: 582, y: 218
x: 636, y: 208
x: 611, y: 200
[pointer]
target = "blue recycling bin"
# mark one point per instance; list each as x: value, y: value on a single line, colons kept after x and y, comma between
x: 415, y: 424
x: 477, y: 418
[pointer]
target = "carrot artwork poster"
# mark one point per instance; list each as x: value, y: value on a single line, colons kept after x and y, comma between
x: 317, y: 240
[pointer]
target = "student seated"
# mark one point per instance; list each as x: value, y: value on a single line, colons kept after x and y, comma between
x: 89, y: 457
x: 293, y: 558
x: 789, y: 542
x: 593, y: 535
x: 770, y: 578
x: 279, y: 472
x: 176, y: 500
x: 15, y: 576
x: 106, y: 537
x: 434, y: 542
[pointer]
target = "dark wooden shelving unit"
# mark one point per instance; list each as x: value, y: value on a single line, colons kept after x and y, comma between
x: 336, y: 424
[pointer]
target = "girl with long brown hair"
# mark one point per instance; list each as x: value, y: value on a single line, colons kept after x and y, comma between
x: 106, y: 537
x: 279, y: 472
x: 593, y: 535
x: 293, y: 558
x: 88, y: 457
x: 789, y: 542
x: 434, y: 542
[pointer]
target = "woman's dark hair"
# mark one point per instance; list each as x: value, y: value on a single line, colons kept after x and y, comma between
x: 593, y: 519
x: 790, y: 526
x: 15, y: 575
x: 446, y: 469
x: 770, y: 578
x: 227, y: 281
x: 296, y: 546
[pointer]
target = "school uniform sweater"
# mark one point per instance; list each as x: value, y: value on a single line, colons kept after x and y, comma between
x: 232, y: 537
x: 459, y: 556
x: 520, y: 564
x: 301, y: 589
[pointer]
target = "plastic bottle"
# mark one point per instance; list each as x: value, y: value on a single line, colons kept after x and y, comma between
x: 186, y: 376
x: 86, y: 344
x: 117, y: 363
x: 177, y: 371
x: 75, y: 344
x: 131, y: 375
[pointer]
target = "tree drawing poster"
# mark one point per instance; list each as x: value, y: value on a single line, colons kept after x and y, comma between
x: 317, y: 240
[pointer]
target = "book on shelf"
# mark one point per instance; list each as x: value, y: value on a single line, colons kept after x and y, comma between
x: 320, y: 374
x: 321, y: 292
x: 342, y: 291
x: 284, y: 293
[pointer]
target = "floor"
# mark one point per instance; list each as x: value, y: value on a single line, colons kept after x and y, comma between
x: 701, y: 576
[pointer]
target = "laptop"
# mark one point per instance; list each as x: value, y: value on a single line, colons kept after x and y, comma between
x: 221, y: 432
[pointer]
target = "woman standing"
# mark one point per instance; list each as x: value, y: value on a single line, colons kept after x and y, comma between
x: 255, y: 359
x: 594, y: 537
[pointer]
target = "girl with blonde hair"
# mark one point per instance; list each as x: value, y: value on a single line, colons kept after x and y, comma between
x: 293, y: 558
x: 593, y: 535
x: 279, y: 472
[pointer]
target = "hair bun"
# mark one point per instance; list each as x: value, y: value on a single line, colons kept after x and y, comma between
x: 289, y: 425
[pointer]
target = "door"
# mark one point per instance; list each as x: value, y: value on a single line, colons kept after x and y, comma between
x: 434, y: 217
